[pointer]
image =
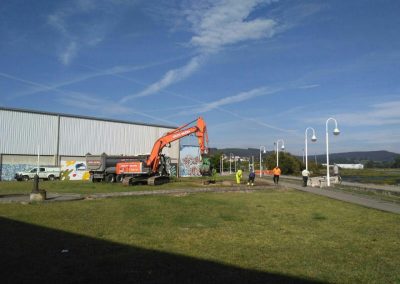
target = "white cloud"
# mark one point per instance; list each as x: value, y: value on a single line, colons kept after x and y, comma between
x: 99, y: 17
x: 311, y: 86
x: 205, y: 107
x: 88, y: 102
x: 378, y: 114
x: 243, y: 96
x: 360, y: 140
x: 227, y: 22
x: 367, y: 127
x: 68, y: 47
x: 56, y: 20
x: 69, y: 53
x: 115, y: 71
x: 11, y: 77
x: 214, y: 24
x: 171, y: 77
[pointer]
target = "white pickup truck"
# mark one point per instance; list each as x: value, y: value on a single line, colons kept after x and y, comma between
x: 49, y: 173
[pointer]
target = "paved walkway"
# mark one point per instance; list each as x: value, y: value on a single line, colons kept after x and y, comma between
x: 347, y: 197
x: 51, y: 197
x: 376, y: 187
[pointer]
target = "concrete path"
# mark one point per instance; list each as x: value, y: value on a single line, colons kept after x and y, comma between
x: 376, y: 187
x: 51, y: 197
x: 347, y: 197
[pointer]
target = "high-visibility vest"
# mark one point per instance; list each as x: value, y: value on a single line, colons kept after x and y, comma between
x: 276, y: 171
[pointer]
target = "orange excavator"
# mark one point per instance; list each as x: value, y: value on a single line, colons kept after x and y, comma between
x: 155, y: 169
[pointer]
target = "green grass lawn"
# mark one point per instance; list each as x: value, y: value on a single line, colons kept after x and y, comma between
x: 264, y: 236
x: 375, y: 176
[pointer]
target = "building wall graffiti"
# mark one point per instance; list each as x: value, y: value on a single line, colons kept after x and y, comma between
x: 189, y: 161
x: 74, y: 170
x: 70, y: 170
x: 8, y: 171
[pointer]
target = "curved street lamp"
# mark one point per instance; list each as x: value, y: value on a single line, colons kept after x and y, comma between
x: 277, y: 150
x: 222, y: 165
x: 335, y: 132
x: 230, y: 163
x: 265, y: 151
x: 313, y: 139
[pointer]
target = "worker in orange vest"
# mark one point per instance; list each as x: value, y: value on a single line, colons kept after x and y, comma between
x: 277, y: 172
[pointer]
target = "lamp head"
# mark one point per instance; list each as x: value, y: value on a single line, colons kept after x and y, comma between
x: 313, y: 138
x: 283, y: 147
x: 336, y: 131
x: 264, y: 151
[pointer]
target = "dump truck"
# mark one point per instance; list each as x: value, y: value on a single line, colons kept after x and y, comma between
x: 103, y: 167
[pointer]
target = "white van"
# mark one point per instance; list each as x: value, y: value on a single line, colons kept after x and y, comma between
x: 49, y: 173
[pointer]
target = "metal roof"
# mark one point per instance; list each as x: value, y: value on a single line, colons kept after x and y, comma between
x: 85, y: 117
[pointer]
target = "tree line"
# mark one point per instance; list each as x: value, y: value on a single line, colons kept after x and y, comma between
x: 291, y: 164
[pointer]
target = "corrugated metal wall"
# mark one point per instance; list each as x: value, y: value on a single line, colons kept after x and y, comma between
x: 80, y: 136
x: 21, y: 133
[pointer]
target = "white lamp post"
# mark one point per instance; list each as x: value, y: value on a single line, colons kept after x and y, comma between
x: 265, y: 151
x: 222, y: 164
x: 230, y: 163
x: 313, y: 139
x: 277, y: 150
x: 335, y: 132
x: 38, y: 160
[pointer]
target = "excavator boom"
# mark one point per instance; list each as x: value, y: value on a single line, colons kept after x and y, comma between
x: 200, y: 130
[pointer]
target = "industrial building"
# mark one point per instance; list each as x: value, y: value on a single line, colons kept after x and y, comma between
x: 64, y: 140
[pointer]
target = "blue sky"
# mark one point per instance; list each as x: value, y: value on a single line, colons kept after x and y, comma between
x: 256, y: 70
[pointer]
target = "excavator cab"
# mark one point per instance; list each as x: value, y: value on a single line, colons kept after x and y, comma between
x: 205, y: 167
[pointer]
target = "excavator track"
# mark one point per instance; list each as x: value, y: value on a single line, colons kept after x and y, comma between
x: 157, y: 180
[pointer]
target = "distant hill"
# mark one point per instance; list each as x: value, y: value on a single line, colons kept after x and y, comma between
x: 237, y: 151
x: 348, y: 157
x: 359, y: 157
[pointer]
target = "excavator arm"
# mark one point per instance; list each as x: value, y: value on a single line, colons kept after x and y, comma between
x: 200, y: 130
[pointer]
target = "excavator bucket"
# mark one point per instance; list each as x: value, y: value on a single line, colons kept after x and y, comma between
x: 202, y: 135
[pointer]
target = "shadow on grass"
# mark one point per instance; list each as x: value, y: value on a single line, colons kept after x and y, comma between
x: 31, y: 254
